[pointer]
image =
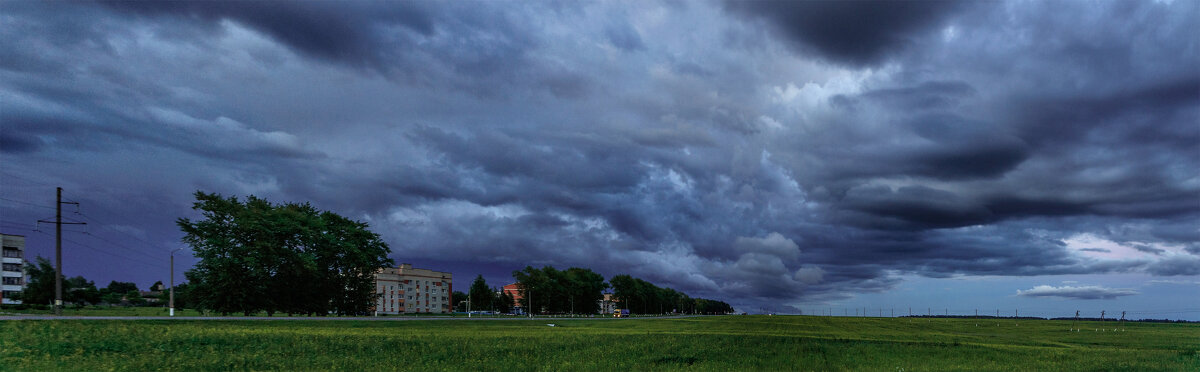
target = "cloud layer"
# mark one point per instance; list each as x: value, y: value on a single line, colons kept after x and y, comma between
x: 779, y: 153
x: 1083, y: 293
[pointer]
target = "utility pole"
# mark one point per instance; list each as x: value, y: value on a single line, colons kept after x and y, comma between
x: 171, y: 299
x: 58, y: 299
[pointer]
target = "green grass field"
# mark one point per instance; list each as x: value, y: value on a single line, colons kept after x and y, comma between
x: 708, y: 343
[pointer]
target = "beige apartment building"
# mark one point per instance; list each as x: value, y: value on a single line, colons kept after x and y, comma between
x: 409, y: 290
x: 12, y: 275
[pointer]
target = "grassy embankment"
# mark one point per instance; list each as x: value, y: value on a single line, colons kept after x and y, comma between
x: 713, y: 343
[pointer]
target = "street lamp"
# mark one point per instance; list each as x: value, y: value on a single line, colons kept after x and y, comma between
x: 171, y: 300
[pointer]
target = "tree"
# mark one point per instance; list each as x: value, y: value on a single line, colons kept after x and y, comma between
x: 134, y: 298
x: 40, y: 288
x: 584, y: 290
x: 82, y: 291
x: 254, y: 253
x: 575, y: 290
x: 480, y: 297
x: 502, y: 301
x: 121, y: 287
x: 458, y: 298
x: 182, y: 296
x: 112, y: 298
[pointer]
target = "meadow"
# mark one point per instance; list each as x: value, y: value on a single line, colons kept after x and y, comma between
x: 702, y: 343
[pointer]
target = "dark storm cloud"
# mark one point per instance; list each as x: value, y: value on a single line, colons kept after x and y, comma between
x: 355, y: 33
x: 18, y: 142
x: 853, y: 32
x: 1083, y: 293
x: 709, y: 159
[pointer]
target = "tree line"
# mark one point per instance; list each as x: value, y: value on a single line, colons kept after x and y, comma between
x: 642, y: 297
x: 579, y: 291
x: 79, y: 291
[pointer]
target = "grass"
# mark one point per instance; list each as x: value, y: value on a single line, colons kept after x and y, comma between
x: 709, y: 343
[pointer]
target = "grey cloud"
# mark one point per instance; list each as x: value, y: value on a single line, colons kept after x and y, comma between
x: 1083, y: 293
x: 774, y: 244
x: 1147, y: 249
x: 852, y: 32
x: 1176, y: 265
x: 625, y: 37
x: 18, y: 142
x: 355, y: 33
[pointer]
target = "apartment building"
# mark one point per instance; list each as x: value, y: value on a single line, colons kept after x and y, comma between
x: 12, y: 274
x: 409, y: 290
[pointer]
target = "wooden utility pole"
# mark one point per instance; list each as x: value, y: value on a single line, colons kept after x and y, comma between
x: 58, y: 275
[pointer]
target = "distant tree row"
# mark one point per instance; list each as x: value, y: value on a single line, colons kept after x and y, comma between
x: 642, y: 297
x: 579, y: 291
x: 77, y: 290
x: 548, y: 290
x: 287, y: 258
x: 483, y: 298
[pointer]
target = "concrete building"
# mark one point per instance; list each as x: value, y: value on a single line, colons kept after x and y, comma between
x: 408, y: 290
x: 12, y: 274
x: 607, y: 304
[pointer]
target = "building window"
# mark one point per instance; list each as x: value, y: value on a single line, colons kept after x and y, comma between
x: 11, y: 294
x: 12, y: 267
x: 12, y: 280
x: 12, y: 252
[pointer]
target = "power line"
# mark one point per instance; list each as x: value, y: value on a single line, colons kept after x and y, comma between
x: 119, y: 245
x: 27, y: 203
x: 10, y: 175
x: 135, y: 237
x: 110, y: 253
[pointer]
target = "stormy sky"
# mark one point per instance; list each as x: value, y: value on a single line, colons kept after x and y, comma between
x: 780, y: 156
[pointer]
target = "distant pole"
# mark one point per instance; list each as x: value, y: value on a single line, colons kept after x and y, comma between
x: 997, y: 313
x: 58, y: 302
x: 171, y: 300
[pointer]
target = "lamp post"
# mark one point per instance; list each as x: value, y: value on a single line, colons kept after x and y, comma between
x: 171, y: 299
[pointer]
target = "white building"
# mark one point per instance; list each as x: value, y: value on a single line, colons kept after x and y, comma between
x: 407, y: 290
x: 12, y: 274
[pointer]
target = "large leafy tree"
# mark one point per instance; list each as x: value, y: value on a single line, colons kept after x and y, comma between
x: 258, y: 256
